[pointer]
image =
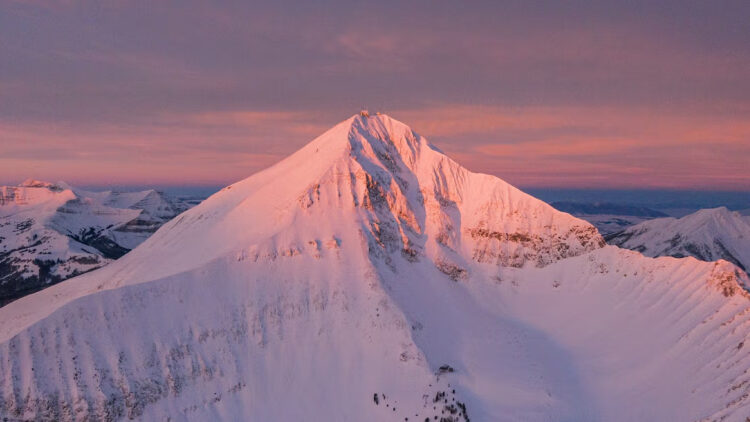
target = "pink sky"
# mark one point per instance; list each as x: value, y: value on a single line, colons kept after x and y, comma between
x: 543, y: 95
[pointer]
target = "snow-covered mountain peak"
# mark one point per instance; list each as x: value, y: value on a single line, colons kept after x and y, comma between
x: 368, y: 276
x: 718, y: 216
x: 360, y: 129
x: 356, y: 138
x: 381, y: 132
x: 369, y: 184
x: 375, y: 176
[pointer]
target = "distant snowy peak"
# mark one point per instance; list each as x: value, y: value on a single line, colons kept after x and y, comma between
x: 708, y: 234
x: 608, y: 218
x: 712, y: 219
x: 52, y: 231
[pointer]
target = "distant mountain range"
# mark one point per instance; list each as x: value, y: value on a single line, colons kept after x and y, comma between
x: 51, y: 231
x: 708, y: 235
x: 608, y: 217
x: 606, y: 208
x: 366, y: 277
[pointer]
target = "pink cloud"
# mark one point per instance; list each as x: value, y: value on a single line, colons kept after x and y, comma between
x: 570, y: 146
x: 593, y: 146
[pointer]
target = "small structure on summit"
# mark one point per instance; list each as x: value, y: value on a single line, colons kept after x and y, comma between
x: 364, y: 113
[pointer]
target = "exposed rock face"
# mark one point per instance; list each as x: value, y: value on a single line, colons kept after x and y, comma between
x: 52, y: 232
x: 370, y: 277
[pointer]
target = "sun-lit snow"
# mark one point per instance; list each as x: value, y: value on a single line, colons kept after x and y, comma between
x: 369, y: 277
x: 707, y: 234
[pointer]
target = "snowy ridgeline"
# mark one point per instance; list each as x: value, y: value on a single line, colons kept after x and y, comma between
x: 369, y: 277
x: 706, y: 234
x: 709, y: 235
x: 51, y: 232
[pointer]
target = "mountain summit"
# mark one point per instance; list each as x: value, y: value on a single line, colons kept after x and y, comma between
x: 370, y: 277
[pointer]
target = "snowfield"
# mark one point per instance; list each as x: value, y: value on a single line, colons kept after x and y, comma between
x: 369, y: 277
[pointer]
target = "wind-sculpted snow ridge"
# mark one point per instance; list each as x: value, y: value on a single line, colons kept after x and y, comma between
x: 708, y: 234
x: 369, y: 277
x: 50, y: 231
